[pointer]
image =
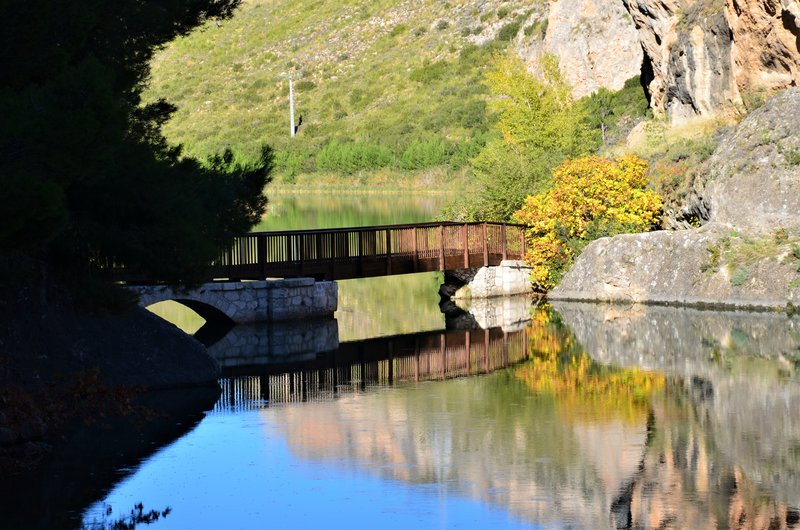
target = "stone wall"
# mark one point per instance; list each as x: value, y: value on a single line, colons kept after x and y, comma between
x: 241, y: 302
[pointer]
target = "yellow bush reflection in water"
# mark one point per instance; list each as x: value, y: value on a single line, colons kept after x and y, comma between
x: 585, y: 390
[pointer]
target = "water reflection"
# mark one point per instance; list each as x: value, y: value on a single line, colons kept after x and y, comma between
x: 740, y: 369
x: 361, y: 365
x: 337, y: 209
x: 614, y: 418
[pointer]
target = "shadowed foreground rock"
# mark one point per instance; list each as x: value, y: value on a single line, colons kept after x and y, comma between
x: 45, y: 339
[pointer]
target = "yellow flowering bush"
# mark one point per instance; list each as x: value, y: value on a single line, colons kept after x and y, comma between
x: 590, y: 197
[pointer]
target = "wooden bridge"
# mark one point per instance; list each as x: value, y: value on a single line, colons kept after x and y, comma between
x: 345, y: 253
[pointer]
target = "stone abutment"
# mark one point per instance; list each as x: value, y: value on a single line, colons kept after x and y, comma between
x: 250, y: 301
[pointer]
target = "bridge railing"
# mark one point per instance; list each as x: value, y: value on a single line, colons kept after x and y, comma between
x: 343, y: 253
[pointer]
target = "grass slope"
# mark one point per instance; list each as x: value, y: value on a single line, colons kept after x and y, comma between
x: 401, y: 78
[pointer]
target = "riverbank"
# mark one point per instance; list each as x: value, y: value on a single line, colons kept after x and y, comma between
x: 438, y: 180
x: 63, y: 361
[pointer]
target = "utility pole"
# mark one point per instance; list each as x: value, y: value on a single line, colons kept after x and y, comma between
x: 291, y: 108
x: 291, y: 104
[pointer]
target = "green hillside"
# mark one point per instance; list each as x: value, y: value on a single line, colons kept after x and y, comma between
x: 382, y: 85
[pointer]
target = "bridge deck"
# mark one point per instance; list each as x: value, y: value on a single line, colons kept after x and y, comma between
x: 345, y: 253
x: 339, y: 254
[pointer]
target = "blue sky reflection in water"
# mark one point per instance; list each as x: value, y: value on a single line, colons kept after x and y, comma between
x: 568, y: 438
x: 237, y: 471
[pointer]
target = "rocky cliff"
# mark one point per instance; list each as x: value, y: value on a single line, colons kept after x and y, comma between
x: 696, y: 57
x: 596, y: 43
x: 748, y: 251
x: 708, y: 56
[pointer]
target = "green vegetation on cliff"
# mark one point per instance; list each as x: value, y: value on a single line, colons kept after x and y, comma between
x: 386, y: 86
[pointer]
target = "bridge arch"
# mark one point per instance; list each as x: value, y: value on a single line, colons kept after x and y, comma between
x: 249, y: 301
x: 210, y: 305
x: 207, y: 312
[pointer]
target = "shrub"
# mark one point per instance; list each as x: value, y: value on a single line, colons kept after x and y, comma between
x: 398, y: 30
x: 429, y: 72
x: 442, y: 25
x: 356, y: 96
x: 461, y: 152
x: 509, y: 31
x: 289, y: 164
x: 590, y: 197
x: 739, y: 276
x: 607, y: 111
x: 350, y: 157
x: 422, y: 154
x: 792, y: 157
x: 304, y: 85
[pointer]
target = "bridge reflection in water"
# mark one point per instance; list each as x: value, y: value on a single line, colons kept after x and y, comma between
x: 362, y: 365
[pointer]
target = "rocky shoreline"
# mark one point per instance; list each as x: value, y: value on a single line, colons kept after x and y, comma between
x: 746, y: 254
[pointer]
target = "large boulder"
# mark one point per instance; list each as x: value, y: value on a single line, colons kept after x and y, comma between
x: 750, y: 193
x: 48, y: 338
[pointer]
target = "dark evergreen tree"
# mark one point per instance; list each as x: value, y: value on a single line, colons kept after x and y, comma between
x: 86, y: 173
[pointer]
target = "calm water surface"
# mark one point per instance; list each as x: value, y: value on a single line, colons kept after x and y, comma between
x: 333, y: 209
x: 575, y: 416
x: 589, y: 417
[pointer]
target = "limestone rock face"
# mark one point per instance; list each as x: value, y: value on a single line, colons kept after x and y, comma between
x: 676, y: 268
x: 752, y: 181
x: 655, y: 21
x: 767, y: 35
x: 750, y: 189
x: 596, y: 44
x: 706, y: 55
x: 754, y: 175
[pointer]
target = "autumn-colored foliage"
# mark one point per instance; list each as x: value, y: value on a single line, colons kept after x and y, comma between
x: 538, y: 126
x: 590, y: 197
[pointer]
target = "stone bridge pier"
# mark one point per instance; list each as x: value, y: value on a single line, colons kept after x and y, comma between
x: 509, y: 278
x: 250, y: 301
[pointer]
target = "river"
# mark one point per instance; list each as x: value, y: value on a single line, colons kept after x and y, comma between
x: 516, y: 414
